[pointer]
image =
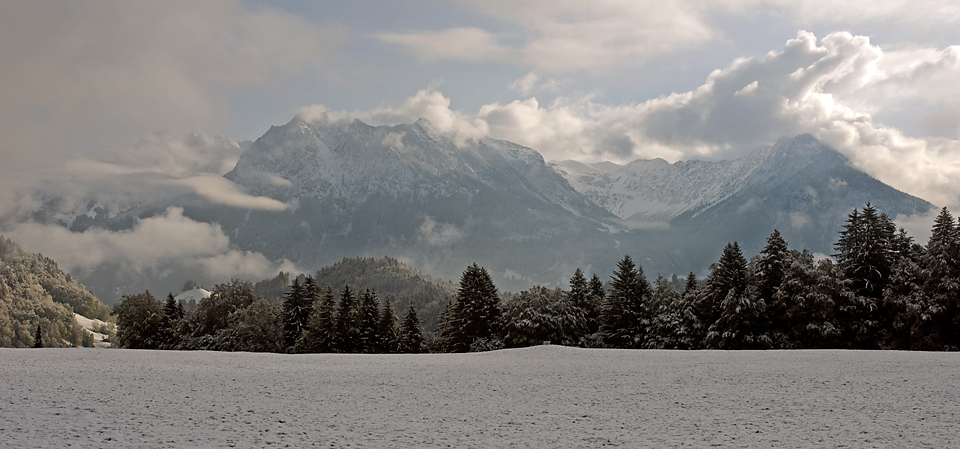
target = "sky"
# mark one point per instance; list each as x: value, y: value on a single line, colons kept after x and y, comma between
x: 140, y: 98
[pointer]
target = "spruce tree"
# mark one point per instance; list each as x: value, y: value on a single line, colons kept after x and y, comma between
x: 578, y: 299
x: 348, y: 322
x: 322, y: 326
x: 38, y: 338
x: 411, y: 339
x: 476, y: 313
x: 864, y: 256
x: 595, y: 298
x: 172, y: 314
x: 387, y: 329
x: 296, y: 312
x: 369, y: 334
x: 936, y: 318
x: 626, y: 314
x: 742, y: 314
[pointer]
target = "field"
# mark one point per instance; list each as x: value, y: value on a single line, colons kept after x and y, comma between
x: 545, y: 396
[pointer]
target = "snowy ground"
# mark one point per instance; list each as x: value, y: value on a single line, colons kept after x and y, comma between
x: 545, y: 396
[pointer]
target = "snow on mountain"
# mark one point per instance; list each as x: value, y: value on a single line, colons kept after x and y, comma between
x: 655, y: 190
x: 195, y: 294
x: 350, y: 161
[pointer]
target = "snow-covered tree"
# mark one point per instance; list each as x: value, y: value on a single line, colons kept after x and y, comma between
x: 322, y: 326
x: 387, y: 330
x: 742, y: 314
x: 941, y: 269
x: 626, y: 314
x: 348, y: 322
x: 411, y: 339
x: 476, y: 313
x: 369, y: 330
x: 138, y: 321
x: 169, y: 323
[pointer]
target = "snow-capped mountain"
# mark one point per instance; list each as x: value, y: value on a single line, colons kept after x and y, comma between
x: 800, y: 186
x: 439, y: 203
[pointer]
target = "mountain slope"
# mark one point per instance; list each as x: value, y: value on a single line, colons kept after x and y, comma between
x: 800, y: 186
x: 34, y: 291
x: 408, y: 191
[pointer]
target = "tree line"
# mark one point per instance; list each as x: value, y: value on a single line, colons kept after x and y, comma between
x: 881, y: 290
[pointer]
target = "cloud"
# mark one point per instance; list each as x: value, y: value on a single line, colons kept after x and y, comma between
x: 83, y: 80
x: 152, y: 242
x: 562, y: 36
x: 439, y: 234
x: 223, y: 191
x: 828, y: 87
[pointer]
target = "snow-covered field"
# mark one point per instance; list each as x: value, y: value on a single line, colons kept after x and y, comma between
x: 544, y: 396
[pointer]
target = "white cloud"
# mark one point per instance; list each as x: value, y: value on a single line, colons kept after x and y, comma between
x: 223, y: 191
x: 152, y: 242
x: 803, y: 88
x: 568, y: 35
x: 81, y: 79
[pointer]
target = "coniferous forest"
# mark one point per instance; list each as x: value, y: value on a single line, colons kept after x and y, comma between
x: 880, y: 290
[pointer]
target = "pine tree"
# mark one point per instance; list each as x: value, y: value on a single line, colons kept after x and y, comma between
x: 626, y: 314
x: 936, y: 315
x: 476, y: 313
x: 411, y: 339
x: 172, y: 314
x: 578, y: 299
x: 387, y: 330
x: 742, y: 314
x: 865, y: 257
x: 667, y: 306
x: 296, y: 312
x: 348, y: 322
x: 595, y: 298
x: 767, y: 275
x: 691, y: 331
x: 369, y: 335
x: 322, y: 326
x: 38, y: 338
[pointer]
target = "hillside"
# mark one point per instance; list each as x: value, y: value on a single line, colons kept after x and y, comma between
x: 33, y: 290
x: 393, y: 281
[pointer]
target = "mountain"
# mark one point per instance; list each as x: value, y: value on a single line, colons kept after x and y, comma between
x: 34, y: 291
x: 439, y: 203
x: 799, y: 186
x: 408, y: 191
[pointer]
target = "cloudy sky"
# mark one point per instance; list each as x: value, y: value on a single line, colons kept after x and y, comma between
x: 94, y: 92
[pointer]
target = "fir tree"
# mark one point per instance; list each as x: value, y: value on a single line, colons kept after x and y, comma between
x: 369, y: 332
x: 580, y: 301
x: 172, y: 314
x: 387, y: 330
x: 322, y: 326
x: 937, y: 318
x: 348, y: 322
x: 476, y: 313
x: 767, y: 275
x: 666, y: 327
x: 411, y: 339
x: 864, y: 255
x: 595, y: 298
x: 38, y: 338
x: 626, y: 314
x: 742, y: 314
x: 296, y: 312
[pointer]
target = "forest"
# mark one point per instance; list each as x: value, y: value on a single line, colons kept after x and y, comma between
x: 880, y: 290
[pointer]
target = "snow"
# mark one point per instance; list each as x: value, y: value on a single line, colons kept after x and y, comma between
x: 195, y: 294
x: 545, y: 396
x: 89, y: 325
